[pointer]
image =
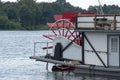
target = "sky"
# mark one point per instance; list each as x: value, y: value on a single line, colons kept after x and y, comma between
x: 81, y: 3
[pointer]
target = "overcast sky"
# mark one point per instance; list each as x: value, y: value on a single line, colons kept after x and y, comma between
x: 82, y: 3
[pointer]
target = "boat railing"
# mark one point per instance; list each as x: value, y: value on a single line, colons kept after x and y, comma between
x: 98, y: 22
x: 42, y: 48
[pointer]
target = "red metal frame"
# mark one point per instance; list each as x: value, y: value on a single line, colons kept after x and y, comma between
x: 70, y: 16
x: 58, y: 17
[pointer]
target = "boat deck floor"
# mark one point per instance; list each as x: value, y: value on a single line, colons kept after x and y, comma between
x: 79, y: 68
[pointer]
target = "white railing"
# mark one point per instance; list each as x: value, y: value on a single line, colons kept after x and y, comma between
x: 38, y: 48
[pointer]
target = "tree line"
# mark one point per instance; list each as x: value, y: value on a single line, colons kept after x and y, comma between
x: 30, y: 15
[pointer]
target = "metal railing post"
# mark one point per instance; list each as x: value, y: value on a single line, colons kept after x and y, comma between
x: 34, y: 49
x: 47, y: 48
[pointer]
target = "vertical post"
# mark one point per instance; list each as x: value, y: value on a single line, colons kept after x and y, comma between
x: 34, y: 49
x: 47, y: 54
x: 95, y: 22
x: 76, y: 22
x: 119, y: 51
x: 114, y: 22
x: 63, y: 29
x: 47, y: 66
x: 47, y: 49
x: 83, y: 54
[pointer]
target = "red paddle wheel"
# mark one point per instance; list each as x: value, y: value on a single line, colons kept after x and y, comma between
x: 64, y: 26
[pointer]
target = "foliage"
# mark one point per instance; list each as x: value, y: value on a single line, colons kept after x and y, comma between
x: 29, y: 15
x: 107, y: 9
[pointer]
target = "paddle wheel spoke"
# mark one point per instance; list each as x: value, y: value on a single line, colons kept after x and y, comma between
x: 48, y: 37
x: 54, y: 32
x: 63, y: 29
x: 58, y: 28
x: 59, y: 32
x: 66, y: 33
x: 62, y: 32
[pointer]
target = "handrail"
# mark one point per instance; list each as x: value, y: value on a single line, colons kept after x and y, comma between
x: 91, y: 23
x: 35, y: 43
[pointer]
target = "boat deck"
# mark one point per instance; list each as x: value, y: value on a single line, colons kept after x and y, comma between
x: 79, y: 68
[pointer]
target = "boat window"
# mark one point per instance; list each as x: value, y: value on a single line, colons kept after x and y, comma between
x: 114, y: 45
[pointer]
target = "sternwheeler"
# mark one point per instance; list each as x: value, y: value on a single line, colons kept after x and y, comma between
x: 84, y: 43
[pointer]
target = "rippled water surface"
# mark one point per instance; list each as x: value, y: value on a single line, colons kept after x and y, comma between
x: 15, y: 49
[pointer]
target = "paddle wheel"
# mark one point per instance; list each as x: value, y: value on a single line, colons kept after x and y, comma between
x: 64, y: 26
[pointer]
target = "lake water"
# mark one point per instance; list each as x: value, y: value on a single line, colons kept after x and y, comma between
x: 15, y: 49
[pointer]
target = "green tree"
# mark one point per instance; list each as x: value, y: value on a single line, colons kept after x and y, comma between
x: 11, y: 10
x: 27, y: 12
x: 29, y: 15
x: 4, y: 22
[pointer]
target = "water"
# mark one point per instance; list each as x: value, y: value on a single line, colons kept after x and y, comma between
x: 15, y: 49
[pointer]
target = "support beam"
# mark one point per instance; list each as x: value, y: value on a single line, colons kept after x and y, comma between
x: 70, y: 43
x: 83, y: 54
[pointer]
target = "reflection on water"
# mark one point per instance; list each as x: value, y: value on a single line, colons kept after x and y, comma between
x: 72, y: 76
x: 15, y: 49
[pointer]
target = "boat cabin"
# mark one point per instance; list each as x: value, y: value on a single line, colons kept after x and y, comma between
x: 100, y: 39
